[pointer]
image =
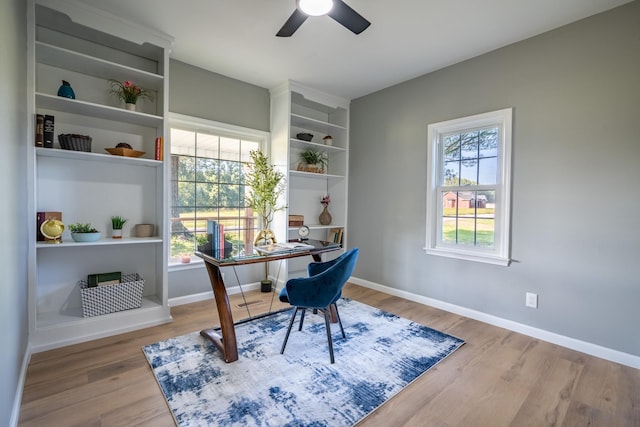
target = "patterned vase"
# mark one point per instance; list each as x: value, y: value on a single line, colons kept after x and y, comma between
x: 325, y: 216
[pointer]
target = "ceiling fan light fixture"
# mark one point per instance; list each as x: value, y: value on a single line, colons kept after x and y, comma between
x: 315, y: 7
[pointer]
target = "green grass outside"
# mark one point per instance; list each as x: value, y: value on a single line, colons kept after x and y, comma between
x: 181, y: 245
x: 484, y: 235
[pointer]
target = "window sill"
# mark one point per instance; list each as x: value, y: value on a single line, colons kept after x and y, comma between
x: 470, y: 256
x: 180, y: 266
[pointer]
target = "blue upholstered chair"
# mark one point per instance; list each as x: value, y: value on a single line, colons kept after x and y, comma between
x: 319, y: 291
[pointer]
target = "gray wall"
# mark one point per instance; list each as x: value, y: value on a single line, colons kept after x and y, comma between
x: 200, y: 93
x: 13, y: 209
x: 576, y: 143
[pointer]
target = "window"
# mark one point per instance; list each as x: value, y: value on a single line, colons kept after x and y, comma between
x: 208, y: 164
x: 468, y: 188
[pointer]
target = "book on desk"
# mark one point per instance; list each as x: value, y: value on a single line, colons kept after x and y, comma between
x: 278, y: 248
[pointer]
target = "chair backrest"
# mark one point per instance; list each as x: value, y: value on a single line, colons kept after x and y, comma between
x: 322, y: 289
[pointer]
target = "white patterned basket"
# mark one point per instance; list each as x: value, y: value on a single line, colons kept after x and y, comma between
x: 111, y: 298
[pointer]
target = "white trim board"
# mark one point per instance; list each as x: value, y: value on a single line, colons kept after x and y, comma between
x: 564, y: 341
x: 188, y: 299
x: 17, y: 401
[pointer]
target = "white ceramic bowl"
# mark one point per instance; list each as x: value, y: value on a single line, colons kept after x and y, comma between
x: 86, y: 237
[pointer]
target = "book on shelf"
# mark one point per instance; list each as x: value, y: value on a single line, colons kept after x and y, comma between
x: 335, y: 235
x: 104, y: 279
x: 39, y: 130
x: 276, y: 248
x: 48, y: 130
x: 159, y: 153
x: 296, y: 220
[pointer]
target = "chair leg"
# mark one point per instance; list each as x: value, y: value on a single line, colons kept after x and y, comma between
x: 286, y: 338
x: 304, y: 310
x: 327, y: 324
x: 339, y: 320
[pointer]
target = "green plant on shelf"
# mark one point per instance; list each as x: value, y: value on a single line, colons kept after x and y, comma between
x: 315, y: 161
x: 82, y: 228
x: 117, y: 222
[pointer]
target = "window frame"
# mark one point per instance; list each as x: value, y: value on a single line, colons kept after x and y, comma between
x: 499, y: 254
x: 201, y: 125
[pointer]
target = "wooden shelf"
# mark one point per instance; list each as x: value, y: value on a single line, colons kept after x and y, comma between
x: 89, y: 109
x: 298, y: 143
x: 315, y: 125
x: 317, y: 227
x: 105, y: 241
x: 97, y: 67
x: 96, y: 157
x: 314, y: 175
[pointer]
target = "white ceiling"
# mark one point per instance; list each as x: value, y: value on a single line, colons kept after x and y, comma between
x: 406, y: 39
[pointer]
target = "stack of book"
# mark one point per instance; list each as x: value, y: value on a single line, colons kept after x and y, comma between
x: 215, y: 234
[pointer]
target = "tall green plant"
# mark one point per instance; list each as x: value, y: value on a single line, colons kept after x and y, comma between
x: 266, y: 185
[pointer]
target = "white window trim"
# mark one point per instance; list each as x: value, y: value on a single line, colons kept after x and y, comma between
x: 500, y: 254
x: 198, y: 124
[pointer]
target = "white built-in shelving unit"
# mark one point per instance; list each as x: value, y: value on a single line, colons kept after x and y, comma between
x: 299, y: 109
x: 71, y: 41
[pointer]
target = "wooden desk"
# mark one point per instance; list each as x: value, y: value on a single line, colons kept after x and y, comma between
x: 226, y: 340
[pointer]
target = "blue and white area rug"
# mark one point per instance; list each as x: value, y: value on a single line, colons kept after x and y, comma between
x: 382, y: 354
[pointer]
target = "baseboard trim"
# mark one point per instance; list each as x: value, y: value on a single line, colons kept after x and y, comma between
x: 17, y: 401
x: 203, y: 296
x: 552, y: 337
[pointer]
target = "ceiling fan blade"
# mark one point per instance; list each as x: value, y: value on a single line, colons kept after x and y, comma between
x: 293, y: 23
x: 348, y: 17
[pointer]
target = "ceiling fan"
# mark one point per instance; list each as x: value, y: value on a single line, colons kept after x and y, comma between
x: 336, y: 9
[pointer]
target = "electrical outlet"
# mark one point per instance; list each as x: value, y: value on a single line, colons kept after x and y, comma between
x: 532, y: 300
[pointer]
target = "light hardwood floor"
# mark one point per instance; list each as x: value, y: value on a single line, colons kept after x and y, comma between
x: 498, y: 378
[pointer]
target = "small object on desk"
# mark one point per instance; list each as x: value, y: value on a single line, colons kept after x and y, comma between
x: 278, y: 248
x: 303, y: 232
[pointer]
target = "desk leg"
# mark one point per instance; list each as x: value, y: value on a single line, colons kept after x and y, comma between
x: 227, y: 342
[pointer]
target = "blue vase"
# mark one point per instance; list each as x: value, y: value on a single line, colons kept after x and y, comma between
x: 66, y: 90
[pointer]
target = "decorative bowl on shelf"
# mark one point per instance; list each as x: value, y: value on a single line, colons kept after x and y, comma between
x: 304, y: 136
x: 126, y: 152
x: 86, y: 237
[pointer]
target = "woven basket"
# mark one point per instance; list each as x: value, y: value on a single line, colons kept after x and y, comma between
x: 71, y: 141
x: 143, y: 230
x: 111, y: 298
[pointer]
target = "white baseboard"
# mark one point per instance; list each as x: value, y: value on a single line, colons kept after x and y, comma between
x: 187, y: 299
x: 564, y: 341
x: 17, y: 401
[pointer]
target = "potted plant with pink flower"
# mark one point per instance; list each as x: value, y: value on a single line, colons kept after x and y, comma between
x: 129, y: 93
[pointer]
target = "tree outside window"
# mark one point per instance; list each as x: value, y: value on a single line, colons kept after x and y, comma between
x: 208, y: 168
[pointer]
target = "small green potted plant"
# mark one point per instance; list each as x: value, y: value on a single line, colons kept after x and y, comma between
x: 81, y: 232
x: 117, y: 223
x: 313, y: 161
